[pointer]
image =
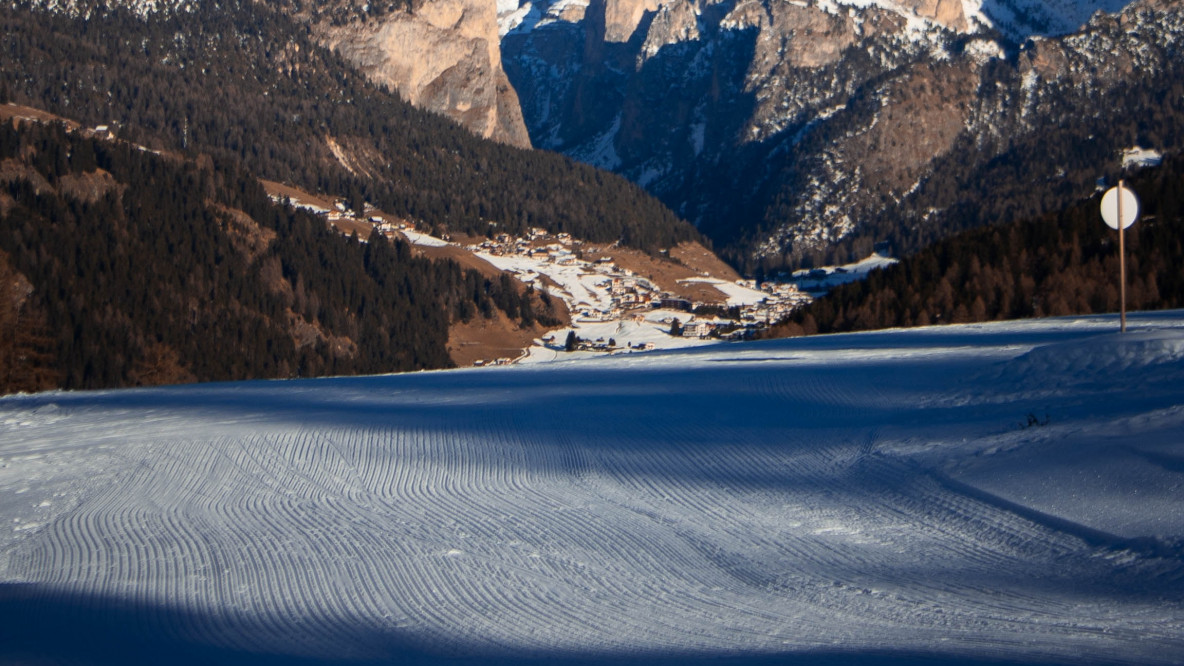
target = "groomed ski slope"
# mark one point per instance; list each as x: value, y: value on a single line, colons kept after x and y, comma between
x: 985, y: 494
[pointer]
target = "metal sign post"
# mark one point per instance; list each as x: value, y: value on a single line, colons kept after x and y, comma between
x: 1120, y: 209
x: 1121, y: 266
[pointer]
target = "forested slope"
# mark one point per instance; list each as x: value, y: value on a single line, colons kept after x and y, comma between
x: 239, y: 79
x: 120, y: 267
x: 1057, y: 264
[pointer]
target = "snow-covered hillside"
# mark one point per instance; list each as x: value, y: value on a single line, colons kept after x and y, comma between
x: 1002, y: 493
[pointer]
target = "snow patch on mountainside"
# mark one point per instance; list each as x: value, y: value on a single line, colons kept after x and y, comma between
x: 1024, y: 18
x: 526, y: 15
x: 602, y: 151
x: 1018, y: 19
x: 818, y: 281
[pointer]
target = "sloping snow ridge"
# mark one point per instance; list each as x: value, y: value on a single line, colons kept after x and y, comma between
x: 989, y: 494
x: 1116, y: 360
x: 818, y: 281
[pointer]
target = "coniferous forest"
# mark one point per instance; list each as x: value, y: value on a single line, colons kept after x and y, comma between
x: 1057, y: 264
x: 240, y: 80
x: 122, y: 267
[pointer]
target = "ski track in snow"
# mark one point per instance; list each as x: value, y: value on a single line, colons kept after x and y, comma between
x: 832, y: 497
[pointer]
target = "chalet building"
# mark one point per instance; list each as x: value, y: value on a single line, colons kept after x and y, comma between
x: 697, y: 329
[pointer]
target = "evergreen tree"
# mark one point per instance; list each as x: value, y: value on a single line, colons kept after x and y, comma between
x: 1057, y: 264
x: 185, y: 270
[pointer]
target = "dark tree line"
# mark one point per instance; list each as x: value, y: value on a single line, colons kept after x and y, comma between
x: 1057, y: 264
x: 241, y: 80
x: 26, y: 345
x: 122, y: 267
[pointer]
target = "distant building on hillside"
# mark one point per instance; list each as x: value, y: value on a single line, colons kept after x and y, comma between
x: 675, y: 304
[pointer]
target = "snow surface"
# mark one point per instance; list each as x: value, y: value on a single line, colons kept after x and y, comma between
x: 1141, y: 157
x: 654, y: 329
x: 510, y: 15
x: 818, y: 281
x: 420, y: 238
x: 577, y: 286
x: 993, y: 493
x: 523, y: 16
x: 1024, y: 18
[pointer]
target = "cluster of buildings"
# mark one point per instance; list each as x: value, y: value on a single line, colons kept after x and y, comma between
x: 383, y: 225
x: 783, y: 298
x: 537, y: 244
x: 628, y: 291
x: 598, y: 290
x: 624, y: 294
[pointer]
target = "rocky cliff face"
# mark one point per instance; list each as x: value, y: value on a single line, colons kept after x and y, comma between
x: 949, y: 13
x: 441, y: 55
x: 621, y: 17
x: 784, y: 129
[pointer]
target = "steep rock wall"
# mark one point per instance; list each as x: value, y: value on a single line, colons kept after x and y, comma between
x: 442, y: 55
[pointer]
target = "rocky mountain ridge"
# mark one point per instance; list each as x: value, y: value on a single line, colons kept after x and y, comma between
x: 791, y: 130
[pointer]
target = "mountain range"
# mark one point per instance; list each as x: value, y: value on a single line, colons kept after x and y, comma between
x: 790, y: 133
x: 796, y: 132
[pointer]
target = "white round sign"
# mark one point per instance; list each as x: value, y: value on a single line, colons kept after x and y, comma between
x: 1130, y: 207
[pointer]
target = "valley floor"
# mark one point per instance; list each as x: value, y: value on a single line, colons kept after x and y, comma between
x: 988, y: 494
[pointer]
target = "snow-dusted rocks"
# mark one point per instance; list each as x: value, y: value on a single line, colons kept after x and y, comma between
x: 785, y: 129
x: 1003, y: 493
